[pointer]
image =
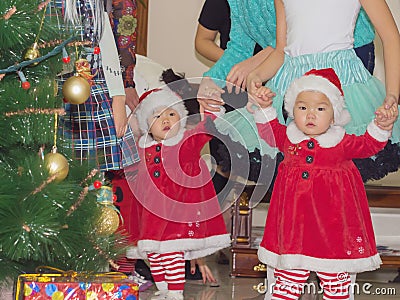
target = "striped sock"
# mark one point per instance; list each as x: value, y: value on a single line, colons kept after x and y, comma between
x: 126, y: 265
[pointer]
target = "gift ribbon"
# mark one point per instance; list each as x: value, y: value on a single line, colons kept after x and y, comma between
x: 76, y: 276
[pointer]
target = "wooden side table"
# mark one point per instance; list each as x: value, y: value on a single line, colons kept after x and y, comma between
x: 389, y: 197
x: 245, y: 261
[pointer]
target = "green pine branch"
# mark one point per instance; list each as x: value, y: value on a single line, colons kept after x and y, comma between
x: 36, y: 226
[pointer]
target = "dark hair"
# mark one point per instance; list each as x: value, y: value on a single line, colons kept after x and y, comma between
x: 186, y: 90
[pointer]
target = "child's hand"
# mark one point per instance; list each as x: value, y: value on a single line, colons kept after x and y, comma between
x: 119, y: 115
x: 264, y: 96
x: 386, y: 115
x: 253, y: 83
x: 264, y: 99
x: 204, y: 270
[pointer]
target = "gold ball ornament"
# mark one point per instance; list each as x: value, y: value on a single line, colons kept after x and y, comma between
x: 32, y: 53
x: 76, y: 90
x: 56, y: 164
x: 108, y: 221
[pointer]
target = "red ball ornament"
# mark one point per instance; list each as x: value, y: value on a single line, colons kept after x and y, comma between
x: 66, y: 60
x: 26, y: 85
x: 114, y: 198
x: 97, y: 184
x: 96, y: 50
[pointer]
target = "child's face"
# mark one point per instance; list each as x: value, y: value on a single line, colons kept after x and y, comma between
x: 313, y: 113
x: 164, y: 124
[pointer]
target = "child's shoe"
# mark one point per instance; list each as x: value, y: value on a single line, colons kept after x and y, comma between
x: 175, y: 295
x: 160, y: 295
x: 140, y: 281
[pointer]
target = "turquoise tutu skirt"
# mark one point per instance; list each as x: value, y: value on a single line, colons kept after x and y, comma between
x: 363, y: 94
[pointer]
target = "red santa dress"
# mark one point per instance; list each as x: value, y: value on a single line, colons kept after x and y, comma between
x: 176, y: 202
x: 319, y: 218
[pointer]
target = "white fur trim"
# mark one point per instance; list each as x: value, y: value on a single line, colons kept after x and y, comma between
x: 192, y: 248
x: 329, y: 139
x: 132, y: 252
x: 318, y: 84
x: 378, y: 133
x: 332, y: 137
x: 164, y: 98
x: 265, y: 115
x: 298, y: 261
x: 150, y: 70
x: 147, y: 141
x: 141, y: 84
x: 162, y: 286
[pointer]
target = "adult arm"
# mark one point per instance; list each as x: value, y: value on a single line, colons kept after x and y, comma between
x: 125, y: 40
x: 274, y: 61
x: 382, y: 19
x: 205, y: 43
x: 239, y: 72
x: 239, y: 47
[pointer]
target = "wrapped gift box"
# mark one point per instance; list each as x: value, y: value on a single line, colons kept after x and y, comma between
x: 76, y: 286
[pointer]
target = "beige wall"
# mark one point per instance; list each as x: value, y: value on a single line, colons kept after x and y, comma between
x: 171, y: 32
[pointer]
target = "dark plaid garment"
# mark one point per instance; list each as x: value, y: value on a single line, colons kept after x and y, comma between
x: 89, y: 128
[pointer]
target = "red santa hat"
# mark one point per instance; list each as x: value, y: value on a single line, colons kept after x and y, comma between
x: 155, y: 99
x: 325, y: 81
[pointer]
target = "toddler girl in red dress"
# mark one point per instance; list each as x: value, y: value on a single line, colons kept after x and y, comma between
x: 319, y: 219
x: 178, y: 215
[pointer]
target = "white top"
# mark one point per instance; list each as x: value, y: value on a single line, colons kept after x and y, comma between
x: 315, y: 26
x: 110, y: 60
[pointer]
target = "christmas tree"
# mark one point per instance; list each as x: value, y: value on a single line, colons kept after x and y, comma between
x: 54, y: 211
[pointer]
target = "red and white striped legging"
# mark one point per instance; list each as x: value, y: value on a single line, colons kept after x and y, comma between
x: 290, y: 284
x: 126, y: 265
x: 168, y: 267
